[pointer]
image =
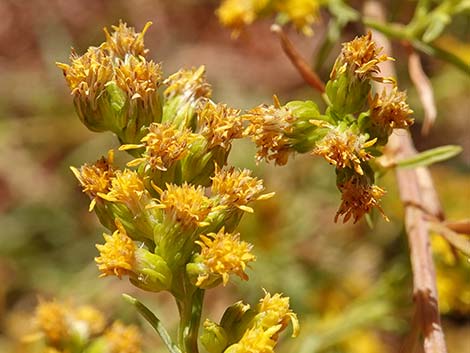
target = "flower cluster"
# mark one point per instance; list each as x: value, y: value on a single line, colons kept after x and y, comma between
x: 63, y: 327
x: 172, y: 213
x: 237, y: 14
x: 243, y: 329
x: 349, y: 135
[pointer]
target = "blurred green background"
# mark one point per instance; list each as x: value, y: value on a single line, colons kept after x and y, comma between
x: 350, y: 285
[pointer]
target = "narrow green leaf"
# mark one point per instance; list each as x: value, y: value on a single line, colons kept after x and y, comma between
x: 429, y: 157
x: 154, y: 321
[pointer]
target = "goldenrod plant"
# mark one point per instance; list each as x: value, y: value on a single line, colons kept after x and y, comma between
x: 173, y: 212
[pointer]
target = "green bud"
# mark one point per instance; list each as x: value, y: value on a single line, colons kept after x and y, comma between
x: 213, y: 337
x: 150, y: 271
x: 236, y: 319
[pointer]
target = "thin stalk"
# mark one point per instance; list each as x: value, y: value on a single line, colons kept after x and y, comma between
x: 190, y: 309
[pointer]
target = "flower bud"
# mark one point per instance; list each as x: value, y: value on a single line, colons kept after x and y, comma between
x: 349, y: 83
x: 213, y: 337
x: 120, y: 256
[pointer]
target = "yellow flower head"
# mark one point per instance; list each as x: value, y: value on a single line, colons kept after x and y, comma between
x: 185, y: 204
x: 344, y: 148
x: 220, y: 124
x: 94, y: 319
x: 237, y: 14
x: 128, y: 188
x: 123, y: 339
x: 164, y: 145
x: 390, y: 110
x: 302, y: 13
x: 360, y: 57
x: 255, y: 340
x: 138, y: 77
x: 268, y: 128
x: 224, y: 254
x: 95, y: 179
x: 88, y: 74
x: 358, y: 199
x: 125, y: 40
x: 52, y: 320
x: 238, y: 188
x: 190, y: 84
x: 117, y: 255
x: 274, y: 310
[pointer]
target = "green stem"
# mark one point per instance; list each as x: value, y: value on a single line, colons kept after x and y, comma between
x: 190, y: 309
x: 154, y: 321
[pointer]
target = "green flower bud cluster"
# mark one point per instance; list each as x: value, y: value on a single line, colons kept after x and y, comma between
x: 349, y: 135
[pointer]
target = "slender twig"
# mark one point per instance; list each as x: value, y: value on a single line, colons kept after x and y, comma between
x: 415, y: 185
x: 297, y: 60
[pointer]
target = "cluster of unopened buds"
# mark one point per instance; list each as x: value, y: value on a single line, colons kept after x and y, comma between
x: 172, y: 213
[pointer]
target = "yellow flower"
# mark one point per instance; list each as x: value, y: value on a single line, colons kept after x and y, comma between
x: 123, y: 339
x: 164, y: 145
x: 255, y: 340
x: 52, y: 320
x: 344, y: 148
x: 275, y: 310
x: 128, y: 188
x: 191, y: 84
x: 302, y: 13
x: 237, y: 14
x: 390, y: 110
x: 186, y: 204
x: 223, y: 254
x: 360, y: 57
x: 95, y: 179
x: 358, y: 199
x: 125, y: 40
x: 219, y: 124
x: 88, y: 74
x: 117, y: 255
x: 237, y: 188
x: 268, y: 126
x: 93, y: 319
x: 139, y: 78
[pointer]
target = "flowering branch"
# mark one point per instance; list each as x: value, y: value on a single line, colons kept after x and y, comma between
x: 412, y: 192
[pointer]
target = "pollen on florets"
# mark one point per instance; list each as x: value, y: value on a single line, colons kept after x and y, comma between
x: 344, y: 148
x: 220, y: 124
x: 357, y: 199
x: 117, y: 255
x: 128, y: 188
x: 268, y: 128
x: 223, y: 254
x: 190, y: 84
x: 88, y: 74
x: 237, y: 14
x: 163, y: 144
x: 122, y: 338
x: 390, y: 110
x: 138, y: 78
x: 95, y: 179
x: 237, y: 188
x: 360, y: 56
x: 185, y: 204
x: 276, y: 311
x: 125, y: 40
x: 255, y: 339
